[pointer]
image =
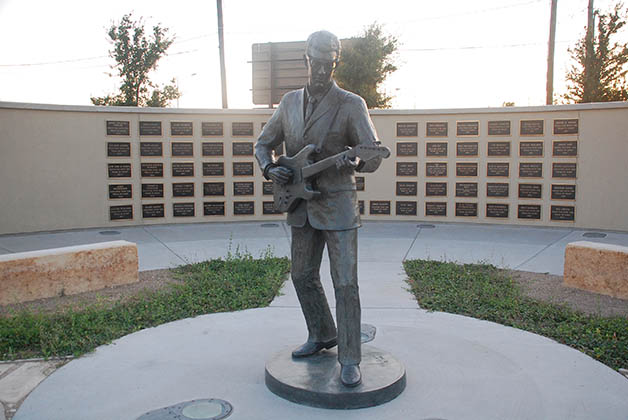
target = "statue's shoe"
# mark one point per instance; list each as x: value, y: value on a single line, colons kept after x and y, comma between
x: 350, y: 375
x: 310, y: 348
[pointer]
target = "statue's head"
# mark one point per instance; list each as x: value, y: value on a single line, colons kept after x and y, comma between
x: 322, y: 53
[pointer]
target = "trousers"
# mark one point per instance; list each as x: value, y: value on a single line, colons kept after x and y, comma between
x: 307, y: 252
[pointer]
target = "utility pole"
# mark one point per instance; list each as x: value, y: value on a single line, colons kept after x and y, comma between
x: 587, y: 93
x: 221, y: 47
x: 549, y: 99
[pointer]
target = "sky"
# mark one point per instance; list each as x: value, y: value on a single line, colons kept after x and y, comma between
x: 452, y: 53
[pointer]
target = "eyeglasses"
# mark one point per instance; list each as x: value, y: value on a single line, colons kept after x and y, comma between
x: 326, y: 65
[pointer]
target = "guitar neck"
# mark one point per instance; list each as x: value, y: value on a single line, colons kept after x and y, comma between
x: 321, y: 165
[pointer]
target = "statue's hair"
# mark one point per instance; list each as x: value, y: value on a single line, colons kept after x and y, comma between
x: 324, y: 42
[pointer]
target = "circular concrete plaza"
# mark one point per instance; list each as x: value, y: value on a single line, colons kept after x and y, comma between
x: 457, y: 368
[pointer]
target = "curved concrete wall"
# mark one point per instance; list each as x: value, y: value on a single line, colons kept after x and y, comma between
x: 59, y: 169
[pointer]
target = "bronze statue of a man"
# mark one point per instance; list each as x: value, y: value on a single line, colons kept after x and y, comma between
x: 332, y: 120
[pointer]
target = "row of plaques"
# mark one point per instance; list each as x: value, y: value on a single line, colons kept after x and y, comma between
x: 560, y: 148
x: 177, y: 149
x: 463, y: 209
x: 178, y: 169
x: 179, y: 128
x: 184, y: 189
x: 188, y: 209
x: 532, y: 127
x: 493, y: 189
x: 565, y: 170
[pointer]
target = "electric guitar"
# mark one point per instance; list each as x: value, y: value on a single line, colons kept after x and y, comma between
x: 287, y: 196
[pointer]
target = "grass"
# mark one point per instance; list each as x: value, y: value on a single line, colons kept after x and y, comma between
x: 481, y: 291
x: 235, y: 283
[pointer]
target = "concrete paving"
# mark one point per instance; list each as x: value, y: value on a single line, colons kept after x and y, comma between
x: 457, y: 367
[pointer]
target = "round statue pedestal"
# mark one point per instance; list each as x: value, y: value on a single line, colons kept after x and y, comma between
x: 315, y: 380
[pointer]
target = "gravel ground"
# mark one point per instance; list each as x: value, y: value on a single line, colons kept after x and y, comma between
x: 545, y: 287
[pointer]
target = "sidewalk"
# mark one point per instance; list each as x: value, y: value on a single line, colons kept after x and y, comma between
x: 457, y: 367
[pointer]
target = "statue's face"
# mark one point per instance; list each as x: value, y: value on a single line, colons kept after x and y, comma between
x: 320, y: 72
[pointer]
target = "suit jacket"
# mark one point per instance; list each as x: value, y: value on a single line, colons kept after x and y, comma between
x: 340, y: 119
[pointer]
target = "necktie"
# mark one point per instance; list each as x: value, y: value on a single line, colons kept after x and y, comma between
x: 311, y: 104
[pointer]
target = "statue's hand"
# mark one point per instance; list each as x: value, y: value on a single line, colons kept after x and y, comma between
x: 280, y: 174
x: 345, y: 162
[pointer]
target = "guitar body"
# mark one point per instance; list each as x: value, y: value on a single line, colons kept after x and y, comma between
x: 288, y: 196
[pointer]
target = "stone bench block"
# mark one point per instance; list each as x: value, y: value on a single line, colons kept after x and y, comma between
x: 596, y: 267
x: 27, y: 276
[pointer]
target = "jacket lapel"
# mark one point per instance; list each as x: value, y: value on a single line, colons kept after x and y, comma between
x: 329, y: 103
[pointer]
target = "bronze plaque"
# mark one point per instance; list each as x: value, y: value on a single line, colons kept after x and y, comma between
x: 497, y: 189
x: 466, y: 169
x: 407, y: 129
x: 466, y: 209
x: 181, y: 128
x: 563, y: 213
x: 466, y: 189
x: 436, y: 169
x: 565, y: 148
x: 499, y: 128
x: 182, y: 149
x: 531, y: 149
x: 498, y: 169
x: 121, y: 212
x: 242, y: 208
x: 406, y: 169
x: 242, y: 168
x: 118, y: 128
x: 435, y: 209
x: 183, y: 209
x: 267, y: 187
x: 268, y: 207
x: 151, y: 148
x: 150, y: 128
x: 242, y: 129
x: 531, y: 127
x: 213, y: 169
x: 564, y: 170
x: 499, y: 148
x: 467, y: 128
x: 407, y: 149
x: 436, y: 129
x: 405, y: 208
x: 359, y: 183
x: 214, y: 148
x: 530, y: 190
x: 436, y: 149
x: 210, y: 128
x: 119, y: 170
x: 118, y: 191
x: 497, y: 210
x: 214, y: 209
x: 183, y: 189
x: 530, y: 170
x: 182, y: 169
x: 563, y: 192
x: 213, y: 188
x: 379, y: 207
x: 243, y: 188
x: 529, y: 211
x: 242, y: 149
x: 566, y: 126
x: 406, y: 188
x: 468, y: 148
x: 152, y: 210
x: 361, y: 206
x: 152, y: 190
x: 118, y: 149
x: 436, y: 189
x: 152, y: 169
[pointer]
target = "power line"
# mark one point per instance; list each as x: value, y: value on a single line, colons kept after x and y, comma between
x: 478, y: 47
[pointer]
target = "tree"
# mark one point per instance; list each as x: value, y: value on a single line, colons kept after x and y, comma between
x: 136, y: 55
x: 606, y: 79
x: 365, y: 63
